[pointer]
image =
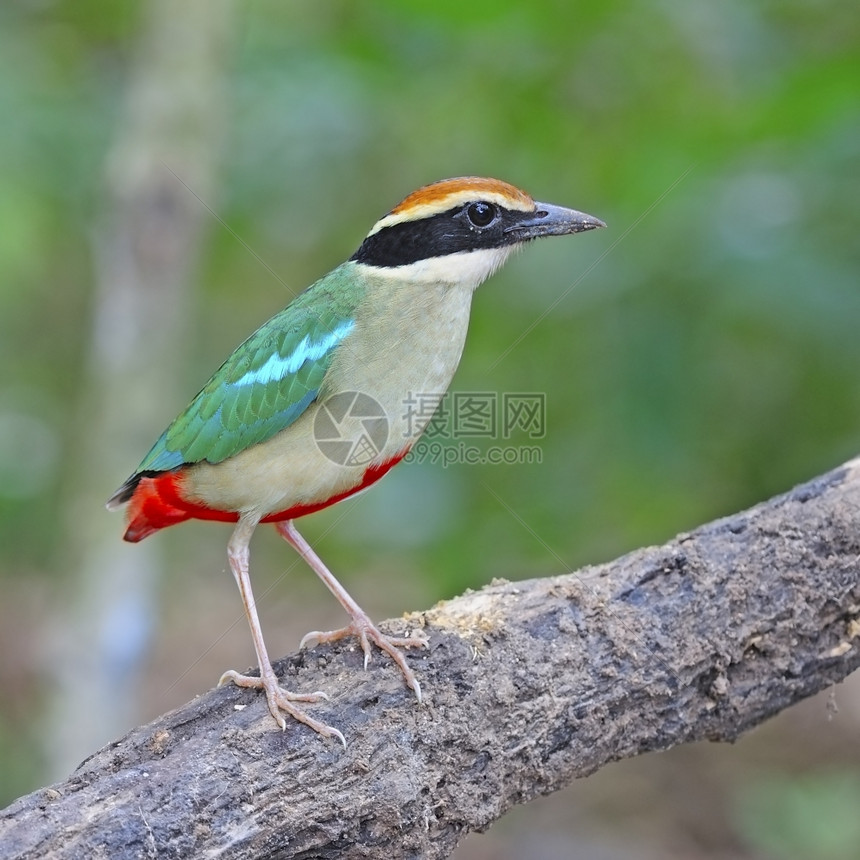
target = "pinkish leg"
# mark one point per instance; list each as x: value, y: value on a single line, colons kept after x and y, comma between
x: 278, y: 699
x: 361, y: 625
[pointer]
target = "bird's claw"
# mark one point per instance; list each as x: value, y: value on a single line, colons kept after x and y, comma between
x: 367, y: 632
x: 280, y: 700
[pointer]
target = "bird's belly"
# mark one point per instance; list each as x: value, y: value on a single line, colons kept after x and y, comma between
x: 293, y: 469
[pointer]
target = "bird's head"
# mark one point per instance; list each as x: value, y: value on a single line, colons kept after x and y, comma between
x: 459, y: 231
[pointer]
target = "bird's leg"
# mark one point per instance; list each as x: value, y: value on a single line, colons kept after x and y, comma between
x: 277, y: 697
x: 361, y: 625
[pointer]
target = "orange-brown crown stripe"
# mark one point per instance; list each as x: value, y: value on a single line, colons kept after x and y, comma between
x: 448, y: 193
x: 438, y: 191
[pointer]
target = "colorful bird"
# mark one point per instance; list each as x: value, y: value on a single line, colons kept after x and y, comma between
x: 313, y: 406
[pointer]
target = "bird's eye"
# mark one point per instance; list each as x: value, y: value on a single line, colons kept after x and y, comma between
x: 481, y: 214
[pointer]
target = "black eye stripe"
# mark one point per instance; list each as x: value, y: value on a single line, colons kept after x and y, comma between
x: 444, y: 233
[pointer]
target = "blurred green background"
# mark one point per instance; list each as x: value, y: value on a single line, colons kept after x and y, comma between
x: 698, y: 356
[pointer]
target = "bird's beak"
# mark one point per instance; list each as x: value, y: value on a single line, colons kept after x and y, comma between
x: 549, y: 220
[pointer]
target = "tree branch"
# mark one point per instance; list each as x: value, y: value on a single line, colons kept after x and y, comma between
x: 527, y: 686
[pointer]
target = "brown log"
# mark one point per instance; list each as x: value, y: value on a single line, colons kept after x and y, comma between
x: 527, y: 686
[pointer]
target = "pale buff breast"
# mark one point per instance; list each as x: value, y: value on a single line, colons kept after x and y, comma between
x: 295, y: 467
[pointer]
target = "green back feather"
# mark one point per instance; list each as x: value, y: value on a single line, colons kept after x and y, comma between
x: 268, y: 382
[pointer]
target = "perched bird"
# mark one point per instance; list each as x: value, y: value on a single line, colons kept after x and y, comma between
x: 312, y: 407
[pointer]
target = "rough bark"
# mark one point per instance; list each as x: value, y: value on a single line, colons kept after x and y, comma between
x: 527, y: 686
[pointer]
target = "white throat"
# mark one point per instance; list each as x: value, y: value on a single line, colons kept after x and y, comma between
x: 467, y: 269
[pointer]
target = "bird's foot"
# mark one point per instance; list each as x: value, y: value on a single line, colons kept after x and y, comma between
x: 367, y: 632
x: 280, y: 701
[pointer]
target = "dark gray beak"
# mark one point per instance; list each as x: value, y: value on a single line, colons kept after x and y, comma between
x: 549, y: 220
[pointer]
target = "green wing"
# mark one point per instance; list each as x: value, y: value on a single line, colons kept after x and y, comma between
x: 267, y: 383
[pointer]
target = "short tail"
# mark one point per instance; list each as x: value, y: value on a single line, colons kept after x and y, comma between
x: 124, y: 493
x: 154, y: 501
